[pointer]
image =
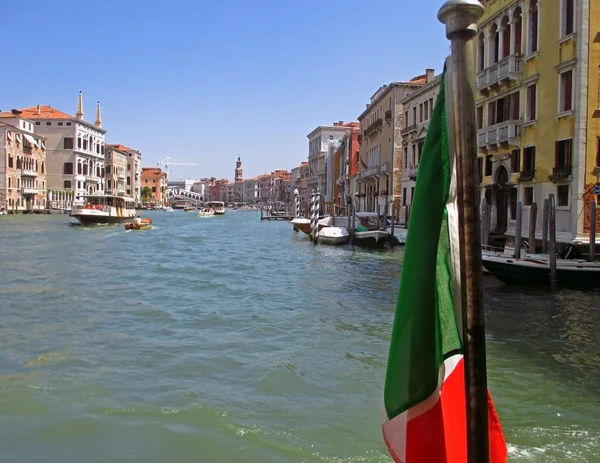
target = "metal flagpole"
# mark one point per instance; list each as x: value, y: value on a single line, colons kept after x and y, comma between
x: 460, y: 18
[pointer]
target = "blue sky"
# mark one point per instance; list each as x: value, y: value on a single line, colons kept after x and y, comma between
x: 204, y: 82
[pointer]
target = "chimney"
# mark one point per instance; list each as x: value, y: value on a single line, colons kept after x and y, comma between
x: 430, y: 73
x: 79, y: 114
x: 39, y: 111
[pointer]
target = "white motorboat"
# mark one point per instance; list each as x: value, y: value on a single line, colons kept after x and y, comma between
x: 168, y: 209
x: 206, y: 212
x: 101, y: 209
x: 218, y: 207
x: 334, y: 235
x: 303, y: 224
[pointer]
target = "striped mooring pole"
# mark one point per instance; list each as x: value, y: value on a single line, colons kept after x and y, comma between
x: 297, y: 204
x: 313, y: 214
x: 315, y: 229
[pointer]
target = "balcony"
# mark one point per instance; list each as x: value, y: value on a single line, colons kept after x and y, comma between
x: 386, y: 167
x: 373, y: 127
x: 526, y: 176
x: 28, y: 173
x: 506, y: 70
x: 412, y: 171
x: 505, y: 133
x: 560, y: 174
x: 92, y: 179
x: 30, y: 191
x: 370, y: 172
x: 408, y: 129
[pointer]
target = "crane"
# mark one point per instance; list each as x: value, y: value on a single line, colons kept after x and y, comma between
x: 167, y: 162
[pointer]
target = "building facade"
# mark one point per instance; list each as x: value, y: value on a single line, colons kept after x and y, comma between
x: 380, y: 159
x: 348, y: 168
x: 74, y: 150
x: 22, y: 165
x: 251, y: 190
x: 116, y: 172
x: 537, y: 111
x: 319, y: 141
x: 154, y: 186
x: 418, y: 108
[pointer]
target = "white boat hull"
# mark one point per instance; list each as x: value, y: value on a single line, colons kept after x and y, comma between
x: 334, y: 236
x: 206, y: 214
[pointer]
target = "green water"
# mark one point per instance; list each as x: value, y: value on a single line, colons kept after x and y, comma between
x: 226, y: 339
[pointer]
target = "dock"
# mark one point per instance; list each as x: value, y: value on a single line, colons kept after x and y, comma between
x: 267, y: 214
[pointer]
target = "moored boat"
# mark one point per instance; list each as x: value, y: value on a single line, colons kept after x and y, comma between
x: 334, y: 235
x: 304, y: 224
x: 144, y: 224
x: 570, y: 273
x: 104, y: 209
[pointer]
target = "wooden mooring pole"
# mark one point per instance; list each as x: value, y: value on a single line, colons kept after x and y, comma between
x: 545, y: 227
x: 518, y: 230
x: 593, y: 231
x: 552, y: 240
x: 532, y: 224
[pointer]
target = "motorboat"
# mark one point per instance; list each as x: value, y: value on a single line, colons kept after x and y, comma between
x: 533, y: 270
x: 206, y: 212
x: 145, y: 224
x: 303, y: 224
x: 189, y: 209
x: 104, y: 209
x: 217, y: 206
x: 334, y: 236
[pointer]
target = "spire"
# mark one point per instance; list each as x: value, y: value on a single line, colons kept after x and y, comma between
x: 98, y: 122
x: 79, y: 114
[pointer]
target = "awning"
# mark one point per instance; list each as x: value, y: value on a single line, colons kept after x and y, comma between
x: 29, y: 138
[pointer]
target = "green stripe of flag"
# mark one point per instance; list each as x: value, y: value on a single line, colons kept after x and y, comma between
x: 425, y: 329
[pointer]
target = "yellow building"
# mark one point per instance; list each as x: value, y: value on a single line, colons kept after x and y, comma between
x: 537, y: 77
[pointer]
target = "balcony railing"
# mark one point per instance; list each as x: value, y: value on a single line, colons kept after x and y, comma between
x: 386, y: 167
x: 526, y: 176
x: 560, y: 173
x: 28, y: 173
x: 373, y: 127
x: 504, y: 132
x: 92, y: 178
x: 508, y: 68
x: 30, y: 191
x: 370, y: 172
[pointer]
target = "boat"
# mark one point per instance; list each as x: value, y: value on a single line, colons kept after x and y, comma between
x: 367, y: 234
x: 334, y: 235
x: 168, y: 209
x: 570, y: 273
x: 3, y: 211
x: 304, y: 224
x: 217, y: 206
x: 189, y: 208
x: 103, y: 209
x: 206, y: 212
x: 145, y: 225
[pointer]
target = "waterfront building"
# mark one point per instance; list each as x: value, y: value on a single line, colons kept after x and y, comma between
x: 251, y: 190
x: 116, y: 162
x: 348, y: 167
x: 279, y: 189
x: 22, y: 164
x: 75, y: 150
x: 154, y: 186
x: 319, y: 141
x: 218, y: 190
x: 303, y: 188
x: 133, y: 180
x: 202, y: 186
x: 537, y: 88
x: 418, y: 107
x: 380, y: 159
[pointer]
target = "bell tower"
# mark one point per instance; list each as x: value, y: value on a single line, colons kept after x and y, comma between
x: 238, y: 170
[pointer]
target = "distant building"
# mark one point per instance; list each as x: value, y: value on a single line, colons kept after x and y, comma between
x: 380, y: 161
x: 133, y: 180
x: 116, y: 171
x: 22, y: 164
x: 251, y: 190
x: 154, y: 186
x: 238, y: 170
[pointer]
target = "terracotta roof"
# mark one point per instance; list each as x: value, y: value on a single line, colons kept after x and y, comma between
x: 46, y: 112
x: 120, y: 147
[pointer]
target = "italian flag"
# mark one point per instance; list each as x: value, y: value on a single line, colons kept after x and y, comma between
x: 424, y: 399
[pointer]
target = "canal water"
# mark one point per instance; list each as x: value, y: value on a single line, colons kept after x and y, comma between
x: 230, y: 339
